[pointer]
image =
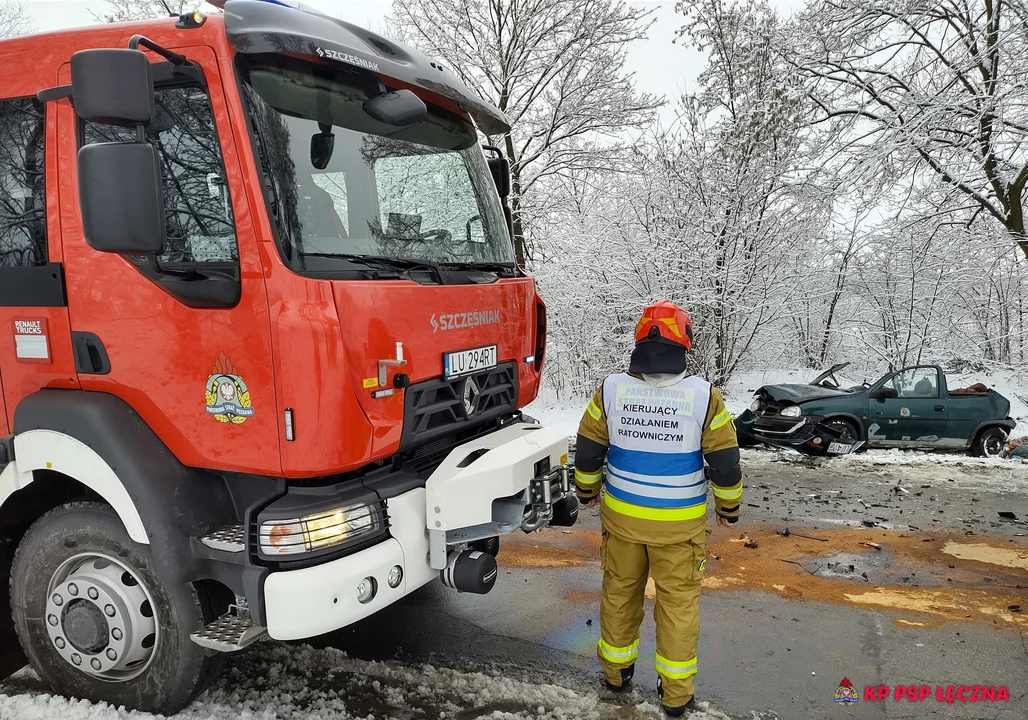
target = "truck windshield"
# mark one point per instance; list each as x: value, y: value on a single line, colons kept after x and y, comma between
x: 341, y: 184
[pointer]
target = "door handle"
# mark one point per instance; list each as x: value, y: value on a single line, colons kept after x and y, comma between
x: 90, y: 354
x: 940, y: 408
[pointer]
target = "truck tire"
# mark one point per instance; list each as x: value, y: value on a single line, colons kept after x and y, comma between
x: 990, y: 442
x: 96, y: 623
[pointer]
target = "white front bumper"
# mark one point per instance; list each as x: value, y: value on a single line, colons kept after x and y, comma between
x: 316, y: 600
x: 459, y: 494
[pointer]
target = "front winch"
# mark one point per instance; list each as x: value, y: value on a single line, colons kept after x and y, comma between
x: 471, y: 571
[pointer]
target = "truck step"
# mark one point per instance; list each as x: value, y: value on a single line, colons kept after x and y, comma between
x: 232, y: 632
x: 231, y: 538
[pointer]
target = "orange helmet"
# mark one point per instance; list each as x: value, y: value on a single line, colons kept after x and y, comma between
x: 665, y: 320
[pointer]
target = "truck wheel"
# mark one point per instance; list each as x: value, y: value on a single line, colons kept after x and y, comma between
x: 96, y: 623
x: 990, y: 442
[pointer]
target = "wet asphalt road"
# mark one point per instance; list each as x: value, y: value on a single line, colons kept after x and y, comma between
x: 763, y: 655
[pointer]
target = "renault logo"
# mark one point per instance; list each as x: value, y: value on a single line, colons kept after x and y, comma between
x: 471, y: 393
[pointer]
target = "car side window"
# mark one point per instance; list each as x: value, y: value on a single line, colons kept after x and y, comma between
x: 917, y: 383
x: 198, y: 209
x: 22, y: 184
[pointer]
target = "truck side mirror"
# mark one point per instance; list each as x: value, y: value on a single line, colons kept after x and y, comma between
x: 113, y: 87
x: 120, y: 195
x: 885, y: 392
x: 499, y: 167
x: 120, y: 198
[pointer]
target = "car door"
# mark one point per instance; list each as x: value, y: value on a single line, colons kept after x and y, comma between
x: 917, y: 416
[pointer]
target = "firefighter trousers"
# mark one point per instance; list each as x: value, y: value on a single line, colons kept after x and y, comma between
x: 676, y: 570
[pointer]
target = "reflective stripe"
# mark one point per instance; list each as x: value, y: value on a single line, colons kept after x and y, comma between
x: 720, y: 420
x: 588, y: 479
x: 654, y: 513
x: 727, y: 494
x: 675, y: 670
x: 655, y: 502
x: 658, y: 480
x: 656, y: 463
x: 653, y: 490
x: 619, y: 654
x: 593, y: 410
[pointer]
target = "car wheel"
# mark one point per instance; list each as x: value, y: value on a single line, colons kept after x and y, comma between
x: 94, y: 620
x: 848, y: 432
x: 990, y: 443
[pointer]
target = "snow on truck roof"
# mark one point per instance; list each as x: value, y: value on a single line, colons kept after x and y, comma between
x: 260, y: 26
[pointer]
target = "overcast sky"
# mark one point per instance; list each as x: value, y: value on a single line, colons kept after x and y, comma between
x: 661, y: 67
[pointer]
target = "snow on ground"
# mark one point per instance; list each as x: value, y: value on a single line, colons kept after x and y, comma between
x: 274, y: 681
x: 903, y: 467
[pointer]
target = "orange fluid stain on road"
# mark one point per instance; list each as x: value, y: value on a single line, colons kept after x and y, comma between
x: 930, y: 578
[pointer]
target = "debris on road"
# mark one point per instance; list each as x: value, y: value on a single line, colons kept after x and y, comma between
x: 1007, y: 515
x: 751, y: 543
x: 1014, y: 608
x: 786, y: 533
x: 876, y: 546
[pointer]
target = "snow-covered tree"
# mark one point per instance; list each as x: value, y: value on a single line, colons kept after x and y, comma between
x: 14, y: 19
x: 930, y: 87
x: 554, y: 67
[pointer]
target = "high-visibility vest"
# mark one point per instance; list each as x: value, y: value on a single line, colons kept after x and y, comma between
x: 655, y: 459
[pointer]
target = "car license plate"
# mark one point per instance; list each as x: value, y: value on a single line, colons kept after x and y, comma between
x: 837, y: 448
x: 464, y: 362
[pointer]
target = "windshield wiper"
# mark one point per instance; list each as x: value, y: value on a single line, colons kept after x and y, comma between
x: 384, y: 263
x: 483, y: 265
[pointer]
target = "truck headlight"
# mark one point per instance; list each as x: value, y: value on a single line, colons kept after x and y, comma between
x: 319, y: 531
x: 791, y: 411
x: 756, y: 404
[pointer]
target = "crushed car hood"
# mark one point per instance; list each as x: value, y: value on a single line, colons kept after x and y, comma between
x: 800, y: 393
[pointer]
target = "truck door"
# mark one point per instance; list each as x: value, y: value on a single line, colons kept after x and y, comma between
x: 35, y: 341
x: 190, y: 351
x: 916, y: 416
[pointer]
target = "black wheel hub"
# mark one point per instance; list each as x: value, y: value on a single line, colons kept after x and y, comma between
x: 86, y: 627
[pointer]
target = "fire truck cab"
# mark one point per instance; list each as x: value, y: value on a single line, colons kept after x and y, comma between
x: 263, y: 344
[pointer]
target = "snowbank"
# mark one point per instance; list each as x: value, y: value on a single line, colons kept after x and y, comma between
x: 274, y: 681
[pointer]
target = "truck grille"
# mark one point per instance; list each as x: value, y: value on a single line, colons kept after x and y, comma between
x: 435, y: 408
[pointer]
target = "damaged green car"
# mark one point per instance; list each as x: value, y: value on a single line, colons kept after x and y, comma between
x: 912, y: 408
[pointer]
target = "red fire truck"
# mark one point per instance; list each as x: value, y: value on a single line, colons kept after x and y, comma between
x: 263, y: 344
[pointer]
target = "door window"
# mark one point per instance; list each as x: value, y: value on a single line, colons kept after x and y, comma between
x: 198, y: 209
x: 917, y: 383
x: 22, y: 187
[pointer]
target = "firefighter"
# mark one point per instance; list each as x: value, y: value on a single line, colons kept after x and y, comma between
x: 654, y: 427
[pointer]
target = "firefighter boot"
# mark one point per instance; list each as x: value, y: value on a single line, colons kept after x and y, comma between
x: 678, y: 711
x: 626, y: 679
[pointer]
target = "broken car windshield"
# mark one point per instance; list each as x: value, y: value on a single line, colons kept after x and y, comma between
x: 422, y: 192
